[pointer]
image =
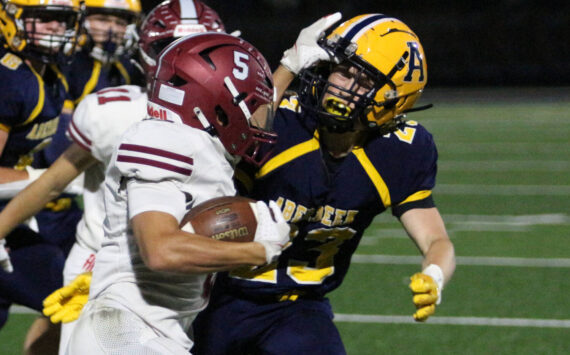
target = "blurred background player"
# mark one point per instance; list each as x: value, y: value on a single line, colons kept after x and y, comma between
x: 36, y: 37
x: 344, y: 155
x: 103, y: 60
x: 151, y: 277
x: 98, y: 123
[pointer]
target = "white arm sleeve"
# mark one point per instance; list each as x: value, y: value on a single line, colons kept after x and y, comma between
x: 162, y: 196
x: 11, y: 189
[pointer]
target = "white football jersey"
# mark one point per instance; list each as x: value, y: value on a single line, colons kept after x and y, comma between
x: 98, y: 123
x: 167, y: 167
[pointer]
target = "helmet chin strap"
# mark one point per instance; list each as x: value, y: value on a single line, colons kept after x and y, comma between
x: 203, y: 120
x: 238, y: 99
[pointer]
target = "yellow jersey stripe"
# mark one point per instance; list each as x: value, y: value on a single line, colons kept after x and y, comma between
x: 124, y: 72
x: 420, y: 195
x: 92, y: 82
x: 4, y: 128
x: 60, y: 76
x: 288, y: 155
x: 41, y: 98
x: 374, y: 175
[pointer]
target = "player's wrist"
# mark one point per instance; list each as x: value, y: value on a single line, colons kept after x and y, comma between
x: 290, y: 62
x: 272, y: 251
x: 436, y: 273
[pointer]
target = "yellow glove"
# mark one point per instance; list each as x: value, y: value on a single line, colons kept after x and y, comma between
x: 65, y: 304
x: 426, y: 288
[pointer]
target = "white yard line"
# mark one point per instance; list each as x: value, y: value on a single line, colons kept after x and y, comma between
x: 481, y: 321
x: 505, y: 165
x: 519, y: 148
x: 363, y: 318
x: 525, y: 219
x: 503, y: 190
x: 465, y: 260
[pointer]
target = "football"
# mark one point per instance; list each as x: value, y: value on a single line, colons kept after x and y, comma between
x: 229, y: 218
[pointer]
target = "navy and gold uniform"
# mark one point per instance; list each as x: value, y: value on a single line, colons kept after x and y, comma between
x: 86, y: 75
x: 331, y: 201
x: 31, y: 105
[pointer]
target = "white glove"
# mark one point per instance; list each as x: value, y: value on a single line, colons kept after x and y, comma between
x: 306, y: 51
x: 272, y: 231
x: 4, y: 257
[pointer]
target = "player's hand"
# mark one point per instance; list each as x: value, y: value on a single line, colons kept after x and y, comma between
x: 306, y: 51
x: 65, y: 304
x: 426, y: 287
x: 272, y: 230
x: 4, y: 257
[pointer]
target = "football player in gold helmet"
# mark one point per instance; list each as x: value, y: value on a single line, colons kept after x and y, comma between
x: 35, y: 36
x: 344, y: 155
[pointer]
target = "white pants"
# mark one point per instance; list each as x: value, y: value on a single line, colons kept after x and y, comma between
x: 106, y: 327
x: 78, y: 261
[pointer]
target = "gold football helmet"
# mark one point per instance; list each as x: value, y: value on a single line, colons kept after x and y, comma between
x: 104, y: 43
x: 373, y: 48
x: 22, y: 26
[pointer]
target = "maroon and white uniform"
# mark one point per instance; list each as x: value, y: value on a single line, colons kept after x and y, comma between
x: 158, y: 166
x: 98, y: 123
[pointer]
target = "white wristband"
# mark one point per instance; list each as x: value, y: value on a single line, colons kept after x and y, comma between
x: 435, y: 272
x: 34, y: 174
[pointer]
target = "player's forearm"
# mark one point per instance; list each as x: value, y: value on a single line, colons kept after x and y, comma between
x: 282, y: 78
x: 164, y: 247
x: 27, y: 203
x: 441, y: 253
x: 188, y: 253
x: 8, y: 175
x: 35, y: 196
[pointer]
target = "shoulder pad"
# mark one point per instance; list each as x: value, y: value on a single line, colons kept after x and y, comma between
x: 290, y: 103
x: 11, y: 61
x: 155, y: 150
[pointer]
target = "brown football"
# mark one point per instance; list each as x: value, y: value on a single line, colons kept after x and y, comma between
x: 229, y: 218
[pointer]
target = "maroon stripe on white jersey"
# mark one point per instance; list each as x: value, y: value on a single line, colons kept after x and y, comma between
x: 78, y: 137
x: 155, y: 151
x: 154, y: 163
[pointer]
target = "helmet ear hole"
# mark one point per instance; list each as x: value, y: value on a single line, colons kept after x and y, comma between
x: 389, y: 104
x: 221, y: 116
x: 206, y: 56
x: 177, y: 81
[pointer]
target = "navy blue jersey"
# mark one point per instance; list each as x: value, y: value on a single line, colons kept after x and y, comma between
x: 87, y: 75
x: 332, y: 204
x: 31, y: 104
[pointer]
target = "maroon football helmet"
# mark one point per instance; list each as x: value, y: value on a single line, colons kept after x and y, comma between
x: 215, y: 82
x: 170, y: 20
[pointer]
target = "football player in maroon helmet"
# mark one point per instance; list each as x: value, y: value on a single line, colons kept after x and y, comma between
x: 170, y: 20
x: 151, y: 277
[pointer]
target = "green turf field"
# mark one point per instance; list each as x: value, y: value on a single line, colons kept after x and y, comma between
x: 503, y: 189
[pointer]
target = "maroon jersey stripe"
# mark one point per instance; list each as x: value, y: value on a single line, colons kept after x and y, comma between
x: 87, y: 140
x: 154, y: 163
x: 156, y: 151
